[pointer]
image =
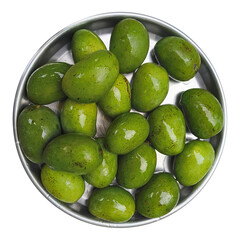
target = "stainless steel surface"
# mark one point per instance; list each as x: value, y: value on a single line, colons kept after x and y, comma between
x: 57, y: 48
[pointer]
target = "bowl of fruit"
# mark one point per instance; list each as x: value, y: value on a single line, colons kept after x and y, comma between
x: 119, y: 119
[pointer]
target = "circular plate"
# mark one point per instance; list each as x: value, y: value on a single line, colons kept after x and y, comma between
x: 58, y: 48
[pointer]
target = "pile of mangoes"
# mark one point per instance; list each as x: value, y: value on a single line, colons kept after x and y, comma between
x: 65, y: 148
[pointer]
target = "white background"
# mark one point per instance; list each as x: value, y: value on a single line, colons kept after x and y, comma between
x: 26, y: 25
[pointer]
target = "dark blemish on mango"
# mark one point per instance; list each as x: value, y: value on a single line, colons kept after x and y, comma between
x: 78, y: 164
x: 128, y: 90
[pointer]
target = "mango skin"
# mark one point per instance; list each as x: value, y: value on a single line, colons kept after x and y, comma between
x: 85, y: 42
x: 44, y: 85
x: 203, y: 112
x: 167, y: 129
x: 137, y: 167
x: 150, y: 87
x: 112, y: 203
x: 79, y: 118
x: 73, y: 153
x: 118, y: 99
x: 104, y: 174
x: 130, y: 43
x: 36, y: 126
x: 178, y: 56
x: 91, y: 78
x: 64, y: 186
x: 158, y: 197
x: 126, y: 132
x: 193, y: 163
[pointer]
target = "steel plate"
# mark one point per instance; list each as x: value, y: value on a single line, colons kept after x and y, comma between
x: 57, y: 48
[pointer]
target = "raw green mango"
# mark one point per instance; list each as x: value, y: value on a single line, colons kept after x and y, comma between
x: 129, y: 42
x: 158, y: 197
x: 192, y: 164
x: 85, y: 42
x: 104, y: 174
x: 137, y: 167
x: 44, y: 86
x: 67, y: 187
x: 36, y: 126
x: 167, y: 129
x: 112, y: 203
x: 126, y: 132
x: 150, y: 87
x: 73, y: 153
x: 91, y: 78
x: 118, y: 99
x: 178, y: 56
x: 79, y: 117
x: 203, y: 112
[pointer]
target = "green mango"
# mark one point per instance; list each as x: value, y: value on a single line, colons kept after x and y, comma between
x: 36, y: 126
x: 130, y: 43
x: 203, y: 112
x: 66, y: 187
x: 79, y: 118
x: 137, y: 167
x: 167, y: 129
x: 193, y: 163
x: 158, y: 197
x: 150, y: 87
x: 126, y: 132
x: 178, y: 56
x: 91, y: 78
x: 104, y: 174
x: 118, y: 99
x: 73, y: 153
x: 85, y: 42
x: 44, y: 84
x: 112, y: 203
